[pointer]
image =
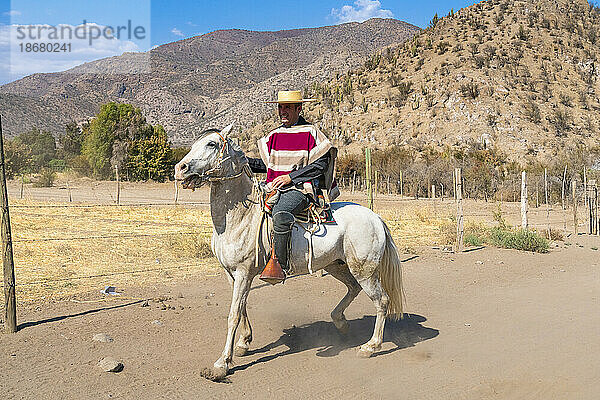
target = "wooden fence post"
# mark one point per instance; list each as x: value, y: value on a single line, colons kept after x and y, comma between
x: 574, y: 194
x: 118, y: 185
x: 376, y: 187
x: 69, y: 190
x: 588, y: 209
x: 585, y: 198
x: 401, y: 184
x: 547, y: 205
x: 592, y: 194
x: 454, y: 182
x: 176, y: 192
x: 514, y: 191
x: 353, y: 180
x: 459, y: 210
x: 22, y: 186
x: 368, y: 177
x: 524, y: 223
x: 564, y: 182
x: 10, y: 299
x: 388, y: 185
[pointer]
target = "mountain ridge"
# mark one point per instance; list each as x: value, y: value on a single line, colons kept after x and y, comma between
x: 199, y: 82
x: 519, y: 76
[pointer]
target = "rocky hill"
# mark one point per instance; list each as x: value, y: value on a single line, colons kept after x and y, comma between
x: 517, y: 75
x: 200, y: 82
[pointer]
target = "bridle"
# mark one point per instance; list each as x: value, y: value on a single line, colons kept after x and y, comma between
x: 219, y: 168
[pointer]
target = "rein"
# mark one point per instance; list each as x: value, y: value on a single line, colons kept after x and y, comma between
x: 246, y: 170
x: 220, y: 164
x: 208, y: 174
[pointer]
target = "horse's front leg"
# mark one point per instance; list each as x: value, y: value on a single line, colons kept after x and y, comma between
x: 241, y: 288
x: 243, y: 344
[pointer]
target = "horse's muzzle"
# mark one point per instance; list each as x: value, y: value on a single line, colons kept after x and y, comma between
x: 193, y: 181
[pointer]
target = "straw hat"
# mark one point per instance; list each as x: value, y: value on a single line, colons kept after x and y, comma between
x: 290, y: 97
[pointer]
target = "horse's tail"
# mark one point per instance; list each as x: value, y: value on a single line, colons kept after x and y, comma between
x: 390, y: 274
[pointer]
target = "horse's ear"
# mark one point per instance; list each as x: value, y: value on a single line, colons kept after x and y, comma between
x: 226, y: 130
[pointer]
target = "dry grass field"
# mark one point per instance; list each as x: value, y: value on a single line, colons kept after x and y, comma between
x: 62, y: 248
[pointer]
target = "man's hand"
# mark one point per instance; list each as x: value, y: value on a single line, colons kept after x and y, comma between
x: 281, y: 181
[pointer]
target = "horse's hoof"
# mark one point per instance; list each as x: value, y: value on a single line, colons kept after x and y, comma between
x: 342, y: 328
x: 361, y: 353
x: 240, y: 351
x: 214, y: 374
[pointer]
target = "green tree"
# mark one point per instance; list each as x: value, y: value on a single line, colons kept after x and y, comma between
x: 17, y: 157
x: 150, y: 157
x: 70, y: 142
x: 109, y: 134
x: 41, y: 145
x: 178, y: 153
x: 97, y: 149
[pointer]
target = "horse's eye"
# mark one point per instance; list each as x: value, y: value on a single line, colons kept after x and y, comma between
x: 211, y: 144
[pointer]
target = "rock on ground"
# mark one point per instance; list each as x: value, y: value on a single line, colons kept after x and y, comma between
x: 102, y: 337
x: 109, y: 364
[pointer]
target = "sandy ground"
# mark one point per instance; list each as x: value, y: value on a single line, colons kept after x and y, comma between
x: 487, y: 324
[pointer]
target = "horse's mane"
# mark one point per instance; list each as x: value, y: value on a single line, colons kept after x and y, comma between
x: 207, y: 132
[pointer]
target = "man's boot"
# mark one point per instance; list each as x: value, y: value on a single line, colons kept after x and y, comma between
x: 277, y: 267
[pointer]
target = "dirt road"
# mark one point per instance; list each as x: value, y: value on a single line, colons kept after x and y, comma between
x: 489, y: 324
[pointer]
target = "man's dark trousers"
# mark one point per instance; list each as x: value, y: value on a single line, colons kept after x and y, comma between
x: 290, y: 203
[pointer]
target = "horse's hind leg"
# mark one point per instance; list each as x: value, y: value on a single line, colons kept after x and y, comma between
x: 342, y: 274
x: 373, y: 289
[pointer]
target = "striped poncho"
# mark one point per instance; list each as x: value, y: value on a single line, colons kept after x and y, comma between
x: 285, y: 150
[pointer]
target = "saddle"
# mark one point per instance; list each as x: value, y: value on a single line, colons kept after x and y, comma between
x: 317, y: 212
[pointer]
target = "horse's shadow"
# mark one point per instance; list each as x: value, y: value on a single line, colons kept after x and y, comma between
x: 324, y: 337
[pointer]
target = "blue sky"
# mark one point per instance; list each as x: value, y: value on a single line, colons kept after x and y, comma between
x: 209, y: 15
x: 167, y: 21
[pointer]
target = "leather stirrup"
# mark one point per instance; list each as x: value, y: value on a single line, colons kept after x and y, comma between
x: 273, y: 273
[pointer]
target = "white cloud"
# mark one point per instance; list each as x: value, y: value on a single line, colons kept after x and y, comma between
x: 75, y: 52
x: 361, y: 11
x: 12, y: 13
x: 177, y: 32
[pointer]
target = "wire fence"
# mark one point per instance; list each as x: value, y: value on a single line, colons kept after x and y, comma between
x: 62, y: 239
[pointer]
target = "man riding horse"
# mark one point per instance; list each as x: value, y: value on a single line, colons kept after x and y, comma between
x: 358, y: 250
x: 299, y: 161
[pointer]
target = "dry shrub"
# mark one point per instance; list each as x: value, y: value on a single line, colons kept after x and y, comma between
x: 46, y: 178
x: 424, y: 214
x: 475, y: 232
x: 555, y: 234
x: 448, y: 232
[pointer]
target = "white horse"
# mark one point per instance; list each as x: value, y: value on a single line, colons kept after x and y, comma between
x: 358, y: 250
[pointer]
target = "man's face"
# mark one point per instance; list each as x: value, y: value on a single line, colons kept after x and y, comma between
x: 289, y: 113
